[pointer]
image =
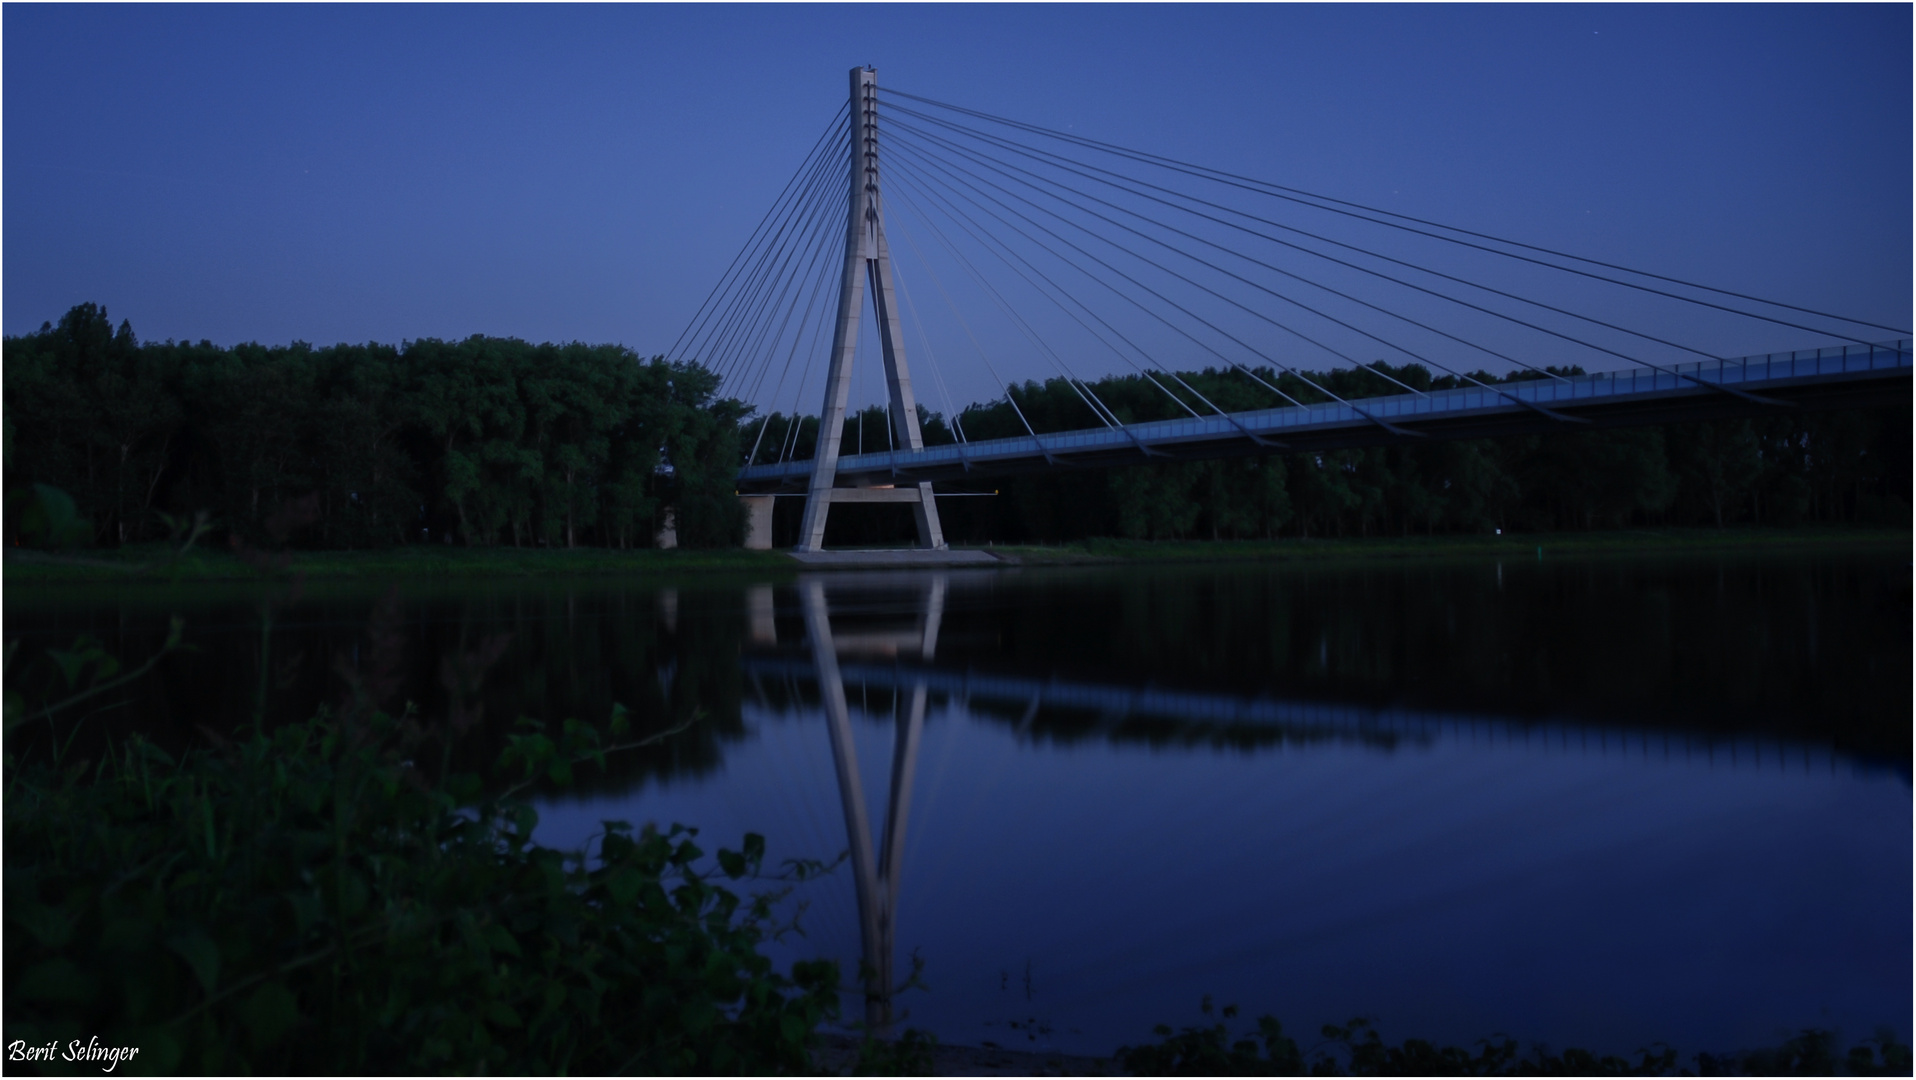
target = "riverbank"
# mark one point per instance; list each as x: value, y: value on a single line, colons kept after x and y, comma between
x: 1511, y: 545
x: 838, y: 1055
x: 156, y: 563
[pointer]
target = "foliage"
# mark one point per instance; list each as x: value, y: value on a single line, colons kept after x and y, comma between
x: 43, y: 516
x: 312, y: 900
x: 1356, y: 1049
x: 911, y: 1054
x: 482, y: 441
x: 490, y: 441
x: 1211, y: 1051
x: 1794, y: 467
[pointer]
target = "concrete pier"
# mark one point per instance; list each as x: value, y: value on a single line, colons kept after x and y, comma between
x: 894, y: 559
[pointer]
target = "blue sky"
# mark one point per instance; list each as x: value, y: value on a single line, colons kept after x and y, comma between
x: 377, y: 172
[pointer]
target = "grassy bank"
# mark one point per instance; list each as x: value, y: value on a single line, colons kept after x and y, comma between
x: 158, y: 563
x: 1511, y: 545
x: 148, y: 562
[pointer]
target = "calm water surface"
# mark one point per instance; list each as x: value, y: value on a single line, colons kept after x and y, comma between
x: 1598, y: 803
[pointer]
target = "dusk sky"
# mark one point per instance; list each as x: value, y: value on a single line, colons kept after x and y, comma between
x: 354, y: 173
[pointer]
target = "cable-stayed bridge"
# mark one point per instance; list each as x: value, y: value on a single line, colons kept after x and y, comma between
x: 1080, y: 260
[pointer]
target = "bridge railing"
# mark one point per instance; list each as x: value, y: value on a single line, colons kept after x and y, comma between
x: 1700, y: 377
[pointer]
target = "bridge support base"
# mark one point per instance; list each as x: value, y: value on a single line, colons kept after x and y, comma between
x: 758, y: 521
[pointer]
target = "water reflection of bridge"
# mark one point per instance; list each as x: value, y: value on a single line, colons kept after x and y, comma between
x: 898, y: 656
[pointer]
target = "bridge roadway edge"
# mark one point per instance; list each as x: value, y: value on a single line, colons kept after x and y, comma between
x: 1676, y: 400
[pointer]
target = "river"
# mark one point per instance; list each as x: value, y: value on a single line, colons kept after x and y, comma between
x: 1601, y: 802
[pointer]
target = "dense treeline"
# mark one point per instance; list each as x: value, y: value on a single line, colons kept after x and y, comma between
x: 497, y: 441
x: 1794, y: 467
x: 481, y: 441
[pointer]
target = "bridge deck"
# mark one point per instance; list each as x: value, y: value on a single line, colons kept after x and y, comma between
x: 1851, y: 375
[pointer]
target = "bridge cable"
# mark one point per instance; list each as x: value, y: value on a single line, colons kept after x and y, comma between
x: 988, y: 162
x: 931, y: 359
x: 993, y: 245
x: 772, y: 275
x: 814, y: 243
x: 745, y: 319
x: 834, y: 288
x: 804, y: 168
x: 959, y: 219
x: 1394, y: 429
x: 820, y: 274
x: 788, y: 444
x: 1032, y: 152
x: 1296, y: 277
x: 835, y: 127
x: 749, y: 294
x: 1268, y: 291
x: 762, y: 342
x: 1280, y: 191
x: 982, y: 355
x: 818, y: 348
x: 1098, y: 408
x: 965, y: 325
x: 1462, y: 281
x: 1119, y: 273
x: 814, y: 207
x: 985, y: 242
x: 1027, y: 236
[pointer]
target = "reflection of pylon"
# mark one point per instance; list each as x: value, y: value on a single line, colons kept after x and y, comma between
x: 877, y: 878
x: 866, y: 256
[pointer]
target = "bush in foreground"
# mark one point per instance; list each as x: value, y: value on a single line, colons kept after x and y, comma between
x: 306, y: 900
x: 1355, y: 1049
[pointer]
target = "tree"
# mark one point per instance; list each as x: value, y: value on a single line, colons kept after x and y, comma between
x: 1717, y: 463
x: 700, y: 440
x: 100, y: 414
x: 1157, y: 502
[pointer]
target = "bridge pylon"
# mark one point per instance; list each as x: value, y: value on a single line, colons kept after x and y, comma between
x: 867, y: 259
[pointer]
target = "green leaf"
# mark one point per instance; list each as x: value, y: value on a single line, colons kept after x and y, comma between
x: 200, y: 954
x: 49, y: 926
x: 624, y: 884
x: 732, y: 863
x: 69, y: 664
x: 58, y: 979
x: 792, y: 1029
x: 268, y: 1013
x: 353, y: 894
x: 502, y: 1014
x: 499, y: 939
x: 307, y: 909
x: 524, y: 818
x: 45, y: 516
